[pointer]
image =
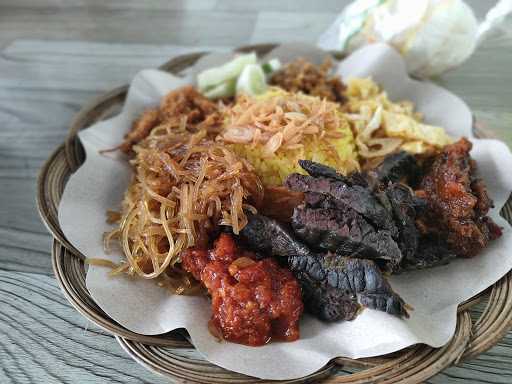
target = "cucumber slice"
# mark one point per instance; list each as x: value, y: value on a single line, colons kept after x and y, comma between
x: 215, y: 76
x: 251, y: 81
x: 225, y: 89
x: 271, y: 66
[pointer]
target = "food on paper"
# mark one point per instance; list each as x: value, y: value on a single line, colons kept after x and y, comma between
x: 306, y: 193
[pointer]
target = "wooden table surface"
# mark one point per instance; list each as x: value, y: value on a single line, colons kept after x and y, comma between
x: 54, y: 57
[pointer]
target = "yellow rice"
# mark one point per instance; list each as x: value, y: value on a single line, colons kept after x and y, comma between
x: 332, y: 145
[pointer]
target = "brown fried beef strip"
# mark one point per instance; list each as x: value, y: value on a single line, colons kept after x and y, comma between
x: 359, y: 198
x: 457, y: 202
x: 334, y: 286
x: 344, y: 232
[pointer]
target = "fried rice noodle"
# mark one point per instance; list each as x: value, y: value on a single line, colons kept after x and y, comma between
x: 179, y: 194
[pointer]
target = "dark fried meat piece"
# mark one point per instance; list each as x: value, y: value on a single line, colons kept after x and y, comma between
x: 405, y: 206
x: 457, y: 202
x: 431, y: 252
x: 321, y: 170
x: 252, y: 301
x: 305, y: 77
x: 185, y: 102
x: 359, y: 198
x: 334, y: 285
x: 400, y: 166
x: 346, y: 233
x: 326, y: 302
x: 268, y: 237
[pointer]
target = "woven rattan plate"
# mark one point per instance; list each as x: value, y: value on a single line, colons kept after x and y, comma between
x: 172, y: 354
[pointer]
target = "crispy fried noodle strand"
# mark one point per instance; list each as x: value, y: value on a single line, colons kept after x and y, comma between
x: 184, y: 186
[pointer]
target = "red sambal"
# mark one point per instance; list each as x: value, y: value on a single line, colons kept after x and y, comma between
x: 252, y: 301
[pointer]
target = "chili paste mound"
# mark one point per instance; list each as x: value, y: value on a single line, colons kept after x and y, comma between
x: 252, y: 301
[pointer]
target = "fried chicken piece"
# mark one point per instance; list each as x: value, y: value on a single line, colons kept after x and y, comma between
x: 252, y: 301
x: 305, y: 77
x: 184, y: 102
x: 457, y: 202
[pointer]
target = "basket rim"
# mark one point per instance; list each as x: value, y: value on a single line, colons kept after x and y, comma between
x: 108, y: 325
x: 501, y: 290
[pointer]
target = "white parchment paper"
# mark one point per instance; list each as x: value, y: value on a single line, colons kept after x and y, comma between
x: 142, y: 307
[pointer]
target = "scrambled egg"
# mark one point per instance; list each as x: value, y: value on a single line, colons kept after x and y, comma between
x: 407, y: 128
x: 381, y: 126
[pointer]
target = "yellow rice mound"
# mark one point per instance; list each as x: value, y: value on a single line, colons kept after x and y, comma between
x: 276, y: 130
x: 274, y: 169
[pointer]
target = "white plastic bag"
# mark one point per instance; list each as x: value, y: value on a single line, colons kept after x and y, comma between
x: 432, y: 35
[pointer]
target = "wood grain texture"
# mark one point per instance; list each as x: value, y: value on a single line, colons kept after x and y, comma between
x: 54, y: 57
x: 44, y: 340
